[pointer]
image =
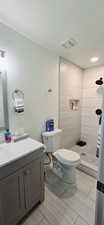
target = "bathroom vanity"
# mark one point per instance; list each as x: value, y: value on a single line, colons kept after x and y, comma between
x: 21, y: 179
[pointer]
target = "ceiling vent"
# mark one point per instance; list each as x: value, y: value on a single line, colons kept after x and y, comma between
x: 69, y: 43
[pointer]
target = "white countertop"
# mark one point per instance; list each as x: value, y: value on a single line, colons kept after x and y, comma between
x: 13, y: 151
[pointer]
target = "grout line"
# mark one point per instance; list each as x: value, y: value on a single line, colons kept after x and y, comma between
x: 44, y: 217
x: 82, y: 219
x: 76, y: 220
x: 41, y: 219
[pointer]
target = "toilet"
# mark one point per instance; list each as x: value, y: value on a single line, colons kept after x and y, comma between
x: 64, y: 161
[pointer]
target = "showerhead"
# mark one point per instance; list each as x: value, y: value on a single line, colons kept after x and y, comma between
x: 100, y: 81
x: 98, y: 112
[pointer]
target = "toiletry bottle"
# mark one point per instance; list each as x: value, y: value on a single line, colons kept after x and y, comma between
x: 50, y: 125
x: 8, y: 136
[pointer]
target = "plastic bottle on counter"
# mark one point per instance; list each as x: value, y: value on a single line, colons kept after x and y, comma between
x: 8, y: 136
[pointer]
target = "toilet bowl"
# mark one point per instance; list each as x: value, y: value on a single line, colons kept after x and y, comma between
x: 67, y: 161
x: 64, y: 161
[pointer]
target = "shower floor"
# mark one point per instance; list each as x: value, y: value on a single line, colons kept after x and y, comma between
x: 89, y: 163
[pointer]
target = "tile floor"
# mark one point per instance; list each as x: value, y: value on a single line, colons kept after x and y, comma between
x: 64, y: 204
x: 86, y: 157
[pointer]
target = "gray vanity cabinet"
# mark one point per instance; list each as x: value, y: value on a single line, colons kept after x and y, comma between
x: 22, y: 189
x: 11, y: 199
x: 31, y: 185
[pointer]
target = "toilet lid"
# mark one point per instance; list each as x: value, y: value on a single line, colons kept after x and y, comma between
x: 67, y: 157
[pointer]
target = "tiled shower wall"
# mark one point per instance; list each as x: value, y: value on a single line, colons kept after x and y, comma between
x: 91, y: 100
x: 70, y: 88
x: 79, y: 84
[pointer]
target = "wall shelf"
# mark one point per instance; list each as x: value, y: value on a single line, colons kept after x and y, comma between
x: 74, y: 104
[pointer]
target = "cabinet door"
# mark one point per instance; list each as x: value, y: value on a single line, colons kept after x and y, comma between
x: 11, y: 207
x: 32, y: 183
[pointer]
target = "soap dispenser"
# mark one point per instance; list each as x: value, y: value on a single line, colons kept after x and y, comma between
x: 8, y: 136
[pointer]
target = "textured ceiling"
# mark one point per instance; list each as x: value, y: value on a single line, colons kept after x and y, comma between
x: 50, y: 22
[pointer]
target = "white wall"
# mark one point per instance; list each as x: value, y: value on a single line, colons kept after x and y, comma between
x: 70, y: 88
x: 91, y: 100
x: 33, y: 70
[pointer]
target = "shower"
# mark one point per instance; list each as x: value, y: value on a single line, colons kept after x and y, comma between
x: 82, y: 124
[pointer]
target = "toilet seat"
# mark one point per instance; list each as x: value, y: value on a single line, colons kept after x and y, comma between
x: 67, y: 157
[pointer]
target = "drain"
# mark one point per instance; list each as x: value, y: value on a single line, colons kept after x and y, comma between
x: 83, y: 154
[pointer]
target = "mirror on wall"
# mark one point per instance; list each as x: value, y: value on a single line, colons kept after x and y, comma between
x: 4, y: 119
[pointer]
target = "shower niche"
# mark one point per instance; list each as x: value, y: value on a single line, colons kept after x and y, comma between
x: 74, y: 104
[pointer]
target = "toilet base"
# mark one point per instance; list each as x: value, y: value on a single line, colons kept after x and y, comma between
x: 66, y: 173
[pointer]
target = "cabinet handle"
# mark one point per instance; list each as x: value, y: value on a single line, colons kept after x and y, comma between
x: 26, y: 183
x: 19, y: 191
x: 27, y: 172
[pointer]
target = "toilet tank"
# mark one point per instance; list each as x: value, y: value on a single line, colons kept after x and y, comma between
x: 52, y: 140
